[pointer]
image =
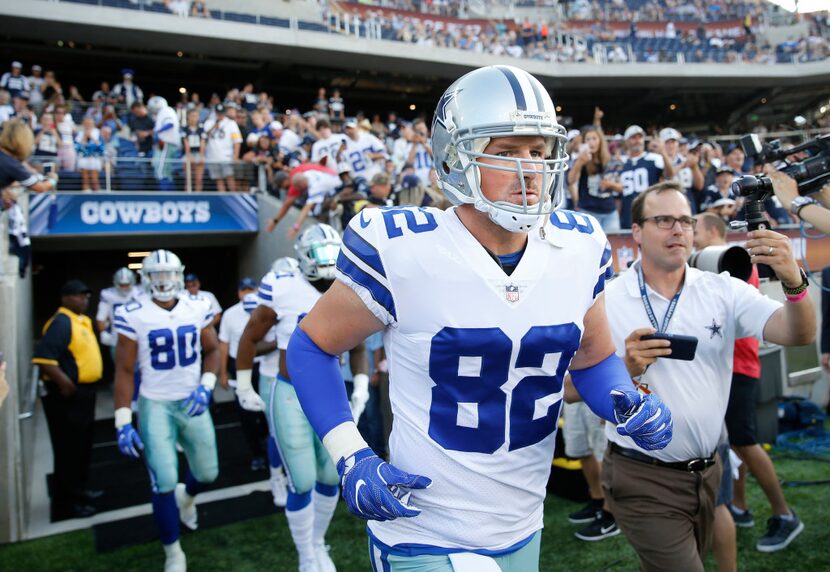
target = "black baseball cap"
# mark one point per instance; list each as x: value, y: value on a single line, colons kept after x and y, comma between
x: 219, y: 108
x: 74, y: 287
x: 247, y: 284
x: 191, y: 277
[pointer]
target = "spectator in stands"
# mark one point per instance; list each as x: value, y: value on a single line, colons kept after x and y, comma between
x: 47, y: 139
x: 141, y: 126
x: 321, y: 105
x: 35, y: 83
x: 66, y: 128
x: 103, y: 92
x: 337, y: 107
x: 193, y: 143
x: 640, y: 170
x: 75, y: 102
x: 179, y: 7
x: 194, y: 287
x: 70, y: 363
x: 51, y: 90
x: 16, y: 143
x: 597, y: 185
x: 719, y: 199
x: 90, y: 150
x: 14, y: 81
x: 222, y: 149
x: 199, y: 9
x: 126, y: 92
x: 22, y: 109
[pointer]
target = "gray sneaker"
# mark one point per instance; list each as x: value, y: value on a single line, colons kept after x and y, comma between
x: 742, y: 519
x: 780, y: 532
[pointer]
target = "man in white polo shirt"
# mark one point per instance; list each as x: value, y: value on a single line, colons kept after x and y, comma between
x: 664, y: 500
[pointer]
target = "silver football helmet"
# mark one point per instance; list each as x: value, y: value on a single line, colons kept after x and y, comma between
x: 490, y: 102
x: 124, y: 280
x: 155, y: 104
x: 317, y: 250
x: 285, y: 265
x: 162, y: 275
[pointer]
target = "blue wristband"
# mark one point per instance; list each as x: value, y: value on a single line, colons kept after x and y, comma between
x: 316, y: 377
x: 595, y: 383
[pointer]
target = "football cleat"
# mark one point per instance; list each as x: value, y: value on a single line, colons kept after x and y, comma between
x: 187, y: 508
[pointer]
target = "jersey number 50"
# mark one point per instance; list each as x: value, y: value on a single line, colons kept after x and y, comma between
x: 168, y: 349
x: 469, y: 366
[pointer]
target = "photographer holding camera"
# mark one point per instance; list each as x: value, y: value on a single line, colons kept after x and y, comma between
x: 794, y: 174
x: 675, y: 328
x: 741, y: 419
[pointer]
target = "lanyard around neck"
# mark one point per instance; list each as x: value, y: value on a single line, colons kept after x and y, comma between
x: 647, y: 304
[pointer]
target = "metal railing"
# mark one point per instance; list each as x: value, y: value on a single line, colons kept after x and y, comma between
x: 155, y: 174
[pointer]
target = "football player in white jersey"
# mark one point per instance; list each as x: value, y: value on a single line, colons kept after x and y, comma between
x: 122, y: 291
x: 166, y: 332
x: 168, y: 140
x: 285, y: 296
x: 484, y: 307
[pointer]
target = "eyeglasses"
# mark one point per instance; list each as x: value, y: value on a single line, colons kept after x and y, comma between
x: 666, y: 222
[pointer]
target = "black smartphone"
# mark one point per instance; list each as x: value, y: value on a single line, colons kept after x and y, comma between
x: 682, y: 347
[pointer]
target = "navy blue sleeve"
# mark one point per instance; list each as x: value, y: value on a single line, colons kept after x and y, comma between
x: 54, y: 342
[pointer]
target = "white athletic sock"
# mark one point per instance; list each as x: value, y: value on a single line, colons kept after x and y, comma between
x: 171, y: 549
x: 324, y: 507
x: 301, y: 525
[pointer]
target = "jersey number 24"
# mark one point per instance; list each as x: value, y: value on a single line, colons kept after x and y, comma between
x: 482, y: 400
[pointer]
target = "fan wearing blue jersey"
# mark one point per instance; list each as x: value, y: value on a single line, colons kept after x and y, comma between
x: 165, y: 333
x: 641, y: 169
x: 476, y: 350
x: 286, y: 294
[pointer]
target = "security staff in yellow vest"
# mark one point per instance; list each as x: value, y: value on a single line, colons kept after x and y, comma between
x: 70, y: 364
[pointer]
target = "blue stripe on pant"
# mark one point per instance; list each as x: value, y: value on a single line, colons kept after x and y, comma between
x: 305, y: 459
x: 164, y: 423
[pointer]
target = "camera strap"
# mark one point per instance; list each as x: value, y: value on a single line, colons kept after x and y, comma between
x: 647, y: 304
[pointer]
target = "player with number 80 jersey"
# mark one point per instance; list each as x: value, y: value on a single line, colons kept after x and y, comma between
x: 483, y: 425
x: 169, y: 360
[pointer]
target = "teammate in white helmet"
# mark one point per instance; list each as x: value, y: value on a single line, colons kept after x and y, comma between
x: 170, y: 335
x: 285, y: 295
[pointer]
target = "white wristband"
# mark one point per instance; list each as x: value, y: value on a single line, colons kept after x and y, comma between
x: 243, y: 380
x: 123, y: 416
x: 343, y: 441
x: 382, y: 366
x: 209, y: 380
x: 360, y: 381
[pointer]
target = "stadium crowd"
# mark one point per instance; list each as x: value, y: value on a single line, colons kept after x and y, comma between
x: 238, y: 141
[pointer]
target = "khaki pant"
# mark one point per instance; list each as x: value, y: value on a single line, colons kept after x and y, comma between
x: 666, y: 514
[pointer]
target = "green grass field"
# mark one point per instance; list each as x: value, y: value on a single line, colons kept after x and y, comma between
x: 265, y: 544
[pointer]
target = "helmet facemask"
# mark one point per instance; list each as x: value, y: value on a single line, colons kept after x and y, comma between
x: 164, y: 285
x: 515, y: 217
x: 317, y: 251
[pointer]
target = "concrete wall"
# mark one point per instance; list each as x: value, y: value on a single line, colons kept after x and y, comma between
x: 16, y: 437
x: 300, y: 9
x: 257, y: 255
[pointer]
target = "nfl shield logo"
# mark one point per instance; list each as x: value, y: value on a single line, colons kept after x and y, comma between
x: 511, y: 293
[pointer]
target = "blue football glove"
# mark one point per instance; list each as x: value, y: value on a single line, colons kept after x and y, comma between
x: 129, y: 443
x: 371, y: 487
x: 198, y: 401
x: 644, y: 418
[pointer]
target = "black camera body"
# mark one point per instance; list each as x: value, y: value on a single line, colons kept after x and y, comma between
x: 811, y: 174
